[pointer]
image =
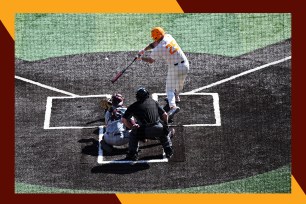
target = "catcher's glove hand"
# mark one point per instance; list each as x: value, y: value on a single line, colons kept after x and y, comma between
x: 106, y: 104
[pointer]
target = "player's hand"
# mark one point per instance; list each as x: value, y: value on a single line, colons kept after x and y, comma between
x: 139, y: 57
x: 135, y: 126
x: 141, y: 52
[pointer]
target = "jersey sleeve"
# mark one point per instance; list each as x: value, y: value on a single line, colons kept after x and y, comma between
x: 128, y: 113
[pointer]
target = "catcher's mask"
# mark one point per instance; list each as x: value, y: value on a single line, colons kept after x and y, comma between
x: 142, y: 94
x: 157, y: 33
x: 117, y: 99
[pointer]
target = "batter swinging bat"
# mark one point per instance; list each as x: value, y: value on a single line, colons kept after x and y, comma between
x: 122, y: 71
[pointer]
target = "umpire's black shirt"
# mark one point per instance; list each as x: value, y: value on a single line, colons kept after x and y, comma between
x: 145, y: 112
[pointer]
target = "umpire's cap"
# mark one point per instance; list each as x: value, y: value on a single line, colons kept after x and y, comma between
x: 142, y: 94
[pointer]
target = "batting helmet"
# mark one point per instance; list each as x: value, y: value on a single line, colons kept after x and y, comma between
x: 142, y: 94
x: 157, y: 33
x: 117, y: 99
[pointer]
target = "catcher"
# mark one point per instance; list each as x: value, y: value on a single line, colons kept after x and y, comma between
x: 116, y: 133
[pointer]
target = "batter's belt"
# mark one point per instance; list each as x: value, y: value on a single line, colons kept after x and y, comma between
x: 178, y: 63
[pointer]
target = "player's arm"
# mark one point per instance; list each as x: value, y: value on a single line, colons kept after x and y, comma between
x: 148, y: 47
x: 164, y: 117
x: 130, y: 124
x: 146, y: 59
x: 162, y: 114
x: 127, y: 123
x: 149, y: 59
x: 128, y: 120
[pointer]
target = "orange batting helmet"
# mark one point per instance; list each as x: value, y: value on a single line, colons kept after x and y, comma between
x: 157, y: 33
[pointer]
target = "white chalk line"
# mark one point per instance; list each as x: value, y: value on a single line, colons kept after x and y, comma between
x: 215, y: 105
x: 100, y: 159
x: 239, y: 75
x: 45, y: 86
x: 134, y: 162
x: 49, y: 109
x: 48, y: 113
x: 100, y: 152
x: 154, y: 96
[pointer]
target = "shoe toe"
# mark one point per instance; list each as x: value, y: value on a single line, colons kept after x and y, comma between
x: 172, y: 112
x: 168, y: 152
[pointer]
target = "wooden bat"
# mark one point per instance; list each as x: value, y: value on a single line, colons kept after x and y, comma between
x: 122, y: 71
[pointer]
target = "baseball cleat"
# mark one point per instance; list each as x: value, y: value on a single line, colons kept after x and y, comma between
x: 170, y: 120
x: 172, y: 112
x: 168, y: 152
x: 131, y: 157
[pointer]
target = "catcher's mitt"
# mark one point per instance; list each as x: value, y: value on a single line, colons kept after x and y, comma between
x: 106, y: 104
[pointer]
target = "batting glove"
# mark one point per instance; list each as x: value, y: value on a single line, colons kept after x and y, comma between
x: 139, y: 58
x: 141, y: 52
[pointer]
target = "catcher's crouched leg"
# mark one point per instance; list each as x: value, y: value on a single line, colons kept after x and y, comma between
x: 106, y: 147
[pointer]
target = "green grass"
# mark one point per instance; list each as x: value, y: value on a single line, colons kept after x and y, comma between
x: 40, y: 36
x: 277, y: 181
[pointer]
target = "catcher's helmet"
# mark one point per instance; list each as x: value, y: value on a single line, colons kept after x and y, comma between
x: 157, y: 33
x: 117, y: 99
x: 142, y: 94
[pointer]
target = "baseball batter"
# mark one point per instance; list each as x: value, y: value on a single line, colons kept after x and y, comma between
x: 165, y: 47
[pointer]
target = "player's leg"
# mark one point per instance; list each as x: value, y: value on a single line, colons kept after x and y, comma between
x: 106, y: 143
x: 158, y: 132
x: 183, y: 70
x: 165, y: 140
x: 133, y: 146
x: 171, y: 85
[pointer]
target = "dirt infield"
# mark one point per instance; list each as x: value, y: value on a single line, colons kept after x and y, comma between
x: 254, y: 136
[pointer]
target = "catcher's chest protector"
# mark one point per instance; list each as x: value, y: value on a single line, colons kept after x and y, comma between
x: 117, y: 113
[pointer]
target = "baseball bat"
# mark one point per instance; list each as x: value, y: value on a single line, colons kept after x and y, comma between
x: 122, y: 71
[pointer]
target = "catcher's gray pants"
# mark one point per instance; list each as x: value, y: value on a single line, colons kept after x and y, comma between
x: 155, y: 132
x: 118, y: 139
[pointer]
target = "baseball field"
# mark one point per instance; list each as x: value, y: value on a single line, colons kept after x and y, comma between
x: 234, y: 133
